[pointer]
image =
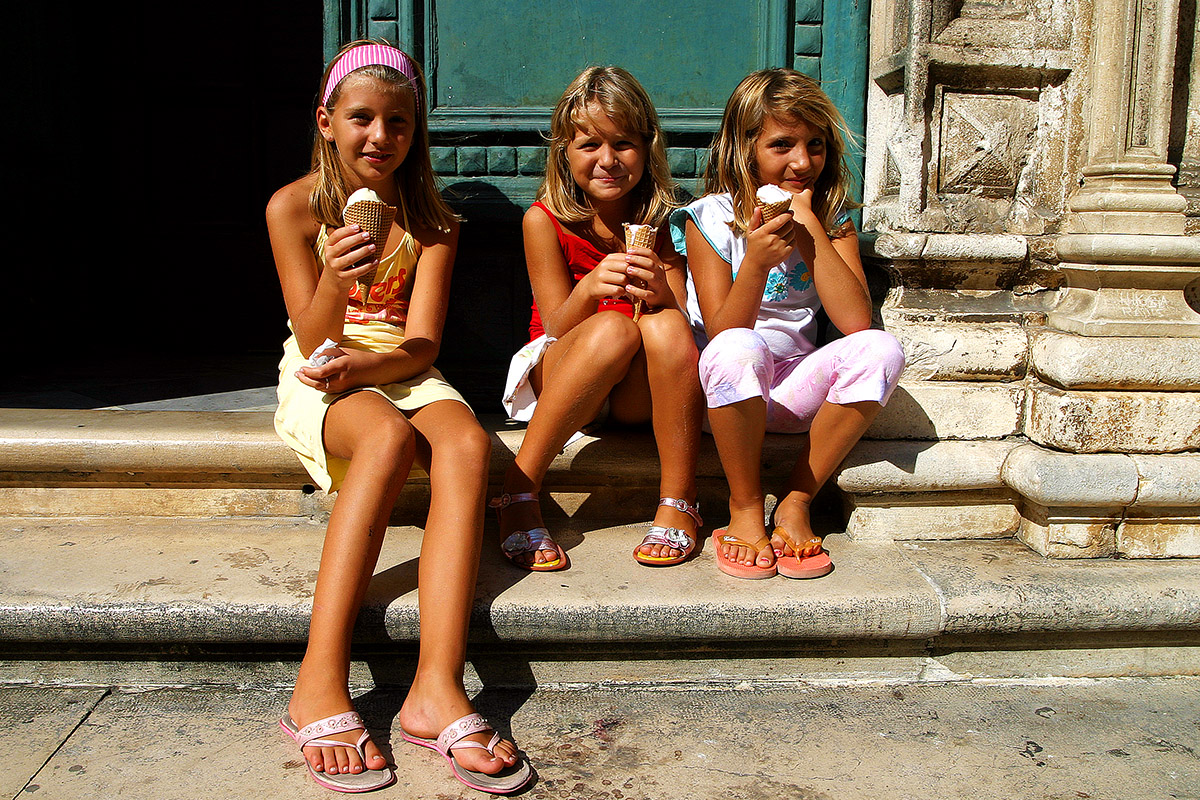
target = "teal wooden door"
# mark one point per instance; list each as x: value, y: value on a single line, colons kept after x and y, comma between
x: 496, y: 67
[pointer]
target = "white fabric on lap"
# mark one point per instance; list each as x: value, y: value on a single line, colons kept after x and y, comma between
x: 519, y: 399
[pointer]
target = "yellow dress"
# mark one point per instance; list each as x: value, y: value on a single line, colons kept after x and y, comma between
x: 374, y: 323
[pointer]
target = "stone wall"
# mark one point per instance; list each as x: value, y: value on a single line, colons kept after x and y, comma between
x: 1029, y: 169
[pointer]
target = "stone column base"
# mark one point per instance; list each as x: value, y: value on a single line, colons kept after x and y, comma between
x: 1098, y: 505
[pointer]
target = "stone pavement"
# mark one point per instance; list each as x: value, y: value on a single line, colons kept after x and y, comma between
x: 1105, y: 739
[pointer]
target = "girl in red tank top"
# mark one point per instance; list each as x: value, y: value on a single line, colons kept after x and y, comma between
x: 608, y: 323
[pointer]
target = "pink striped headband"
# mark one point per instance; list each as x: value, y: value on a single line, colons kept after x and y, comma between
x: 366, y: 55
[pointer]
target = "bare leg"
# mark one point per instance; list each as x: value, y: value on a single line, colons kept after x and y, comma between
x: 673, y: 395
x: 834, y: 432
x: 455, y: 450
x: 576, y: 376
x: 380, y: 444
x: 738, y: 430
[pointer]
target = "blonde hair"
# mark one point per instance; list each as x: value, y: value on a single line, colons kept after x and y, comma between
x: 420, y: 199
x: 625, y: 102
x: 788, y: 96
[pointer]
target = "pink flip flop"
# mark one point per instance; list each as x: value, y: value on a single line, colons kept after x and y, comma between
x: 506, y: 781
x: 814, y: 566
x: 365, y: 781
x: 754, y: 571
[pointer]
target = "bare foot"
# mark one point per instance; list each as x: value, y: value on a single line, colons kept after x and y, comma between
x: 428, y: 710
x: 311, y: 702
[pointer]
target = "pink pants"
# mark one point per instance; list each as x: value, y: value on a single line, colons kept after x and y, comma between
x: 736, y: 365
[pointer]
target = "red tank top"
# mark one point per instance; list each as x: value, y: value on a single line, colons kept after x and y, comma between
x: 582, y: 257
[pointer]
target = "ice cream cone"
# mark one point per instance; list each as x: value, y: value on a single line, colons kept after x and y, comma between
x: 772, y: 210
x: 773, y: 201
x: 639, y: 236
x: 375, y: 218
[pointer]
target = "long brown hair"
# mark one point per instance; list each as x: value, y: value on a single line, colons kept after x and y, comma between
x: 420, y: 198
x: 625, y: 102
x: 786, y: 95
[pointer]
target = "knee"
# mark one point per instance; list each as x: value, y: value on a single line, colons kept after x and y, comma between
x: 667, y: 337
x: 884, y: 349
x: 612, y: 336
x: 734, y: 352
x: 472, y: 447
x: 738, y: 340
x: 390, y: 440
x: 736, y: 365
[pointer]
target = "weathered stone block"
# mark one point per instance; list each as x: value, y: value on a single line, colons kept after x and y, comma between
x: 1070, y: 361
x: 1168, y: 480
x: 891, y: 467
x: 1160, y: 533
x: 1111, y: 421
x: 950, y: 410
x: 933, y: 516
x: 1051, y: 478
x: 1069, y: 533
x: 962, y: 351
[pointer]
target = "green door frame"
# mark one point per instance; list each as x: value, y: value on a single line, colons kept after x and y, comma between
x: 829, y: 39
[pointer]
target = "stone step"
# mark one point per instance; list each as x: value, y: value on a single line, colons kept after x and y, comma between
x: 172, y: 463
x: 123, y: 586
x: 65, y: 463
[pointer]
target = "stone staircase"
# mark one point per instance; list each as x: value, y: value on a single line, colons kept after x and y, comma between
x: 139, y: 536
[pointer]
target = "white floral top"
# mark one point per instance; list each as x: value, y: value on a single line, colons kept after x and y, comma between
x: 787, y: 315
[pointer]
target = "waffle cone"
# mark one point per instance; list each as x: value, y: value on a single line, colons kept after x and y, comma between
x: 376, y: 221
x: 639, y: 237
x: 772, y: 210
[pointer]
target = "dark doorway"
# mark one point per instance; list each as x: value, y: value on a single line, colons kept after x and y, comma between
x: 147, y: 139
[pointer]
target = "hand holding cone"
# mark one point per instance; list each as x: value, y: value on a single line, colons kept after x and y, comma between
x: 639, y: 236
x: 367, y: 211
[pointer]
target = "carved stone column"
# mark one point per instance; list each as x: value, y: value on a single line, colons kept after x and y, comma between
x: 1118, y: 368
x: 970, y: 130
x: 1019, y: 193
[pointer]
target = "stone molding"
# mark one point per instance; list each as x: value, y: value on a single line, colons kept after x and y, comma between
x: 1082, y: 505
x: 1071, y: 361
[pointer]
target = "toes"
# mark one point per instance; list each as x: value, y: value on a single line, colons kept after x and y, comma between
x: 342, y: 755
x: 343, y: 760
x: 375, y: 759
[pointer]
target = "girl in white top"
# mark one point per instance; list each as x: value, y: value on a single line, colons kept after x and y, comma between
x: 754, y: 290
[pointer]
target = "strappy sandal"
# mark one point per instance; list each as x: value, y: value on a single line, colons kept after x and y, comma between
x: 310, y: 735
x: 675, y: 538
x: 506, y: 781
x: 729, y: 567
x: 530, y: 541
x: 798, y: 566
